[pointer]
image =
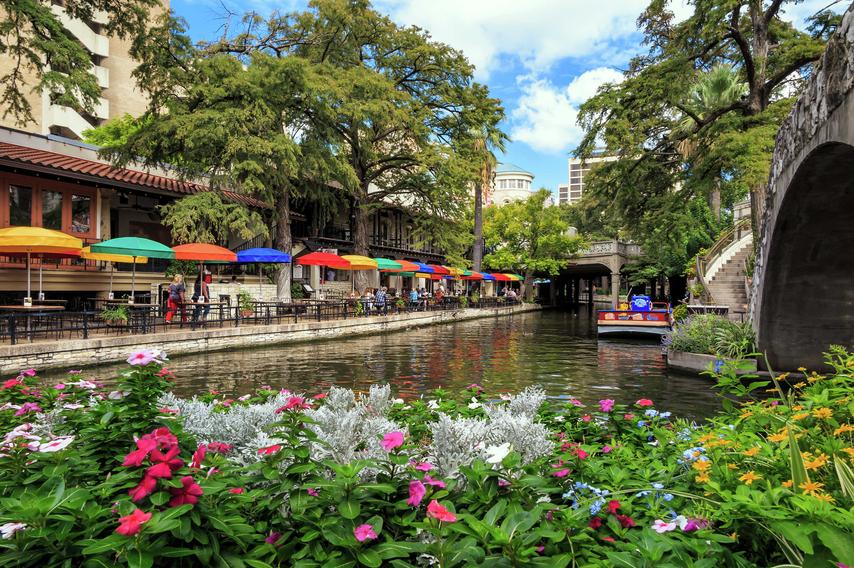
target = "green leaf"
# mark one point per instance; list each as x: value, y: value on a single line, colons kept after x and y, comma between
x: 139, y: 559
x: 369, y: 558
x: 796, y: 461
x: 796, y: 534
x: 111, y: 543
x: 845, y: 475
x: 339, y: 562
x: 256, y: 563
x: 388, y: 550
x: 839, y: 542
x: 349, y: 509
x: 495, y: 512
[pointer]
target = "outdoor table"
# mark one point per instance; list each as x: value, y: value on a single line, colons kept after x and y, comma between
x: 60, y: 302
x: 29, y: 311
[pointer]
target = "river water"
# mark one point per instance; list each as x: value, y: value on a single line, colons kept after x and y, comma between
x: 557, y: 350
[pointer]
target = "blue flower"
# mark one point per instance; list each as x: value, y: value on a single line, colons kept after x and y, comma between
x: 684, y: 435
x: 665, y: 415
x: 643, y: 493
x: 658, y: 486
x: 652, y: 413
x: 596, y: 506
x: 719, y: 365
x: 667, y: 496
x: 650, y: 438
x: 641, y: 423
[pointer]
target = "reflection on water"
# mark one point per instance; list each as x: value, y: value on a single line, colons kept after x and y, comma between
x: 558, y: 350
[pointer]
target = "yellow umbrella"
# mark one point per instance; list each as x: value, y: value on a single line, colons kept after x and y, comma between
x: 37, y: 241
x: 112, y: 258
x: 359, y: 262
x: 454, y: 271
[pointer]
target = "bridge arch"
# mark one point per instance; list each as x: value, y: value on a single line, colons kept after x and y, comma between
x: 802, y: 298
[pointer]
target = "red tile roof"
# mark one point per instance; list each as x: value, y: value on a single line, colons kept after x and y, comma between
x: 109, y: 173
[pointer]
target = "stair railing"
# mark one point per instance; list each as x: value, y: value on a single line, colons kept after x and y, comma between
x: 729, y: 237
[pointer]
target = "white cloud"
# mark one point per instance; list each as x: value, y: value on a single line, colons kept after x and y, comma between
x: 545, y: 118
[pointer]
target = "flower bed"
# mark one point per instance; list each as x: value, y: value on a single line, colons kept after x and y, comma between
x: 137, y: 477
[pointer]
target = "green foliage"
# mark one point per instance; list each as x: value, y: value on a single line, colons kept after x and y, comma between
x: 117, y: 313
x: 244, y: 301
x: 182, y: 267
x: 116, y: 131
x: 680, y: 312
x: 766, y: 482
x: 297, y: 291
x: 35, y: 43
x: 207, y: 218
x: 529, y: 236
x: 712, y: 335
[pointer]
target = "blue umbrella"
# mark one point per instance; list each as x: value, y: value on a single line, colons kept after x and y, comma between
x: 489, y: 277
x: 425, y: 268
x: 262, y: 256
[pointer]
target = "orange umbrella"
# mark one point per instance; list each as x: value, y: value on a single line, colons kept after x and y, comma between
x: 203, y: 252
x: 405, y: 266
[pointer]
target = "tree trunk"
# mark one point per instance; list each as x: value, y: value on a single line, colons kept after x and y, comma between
x: 285, y: 244
x: 715, y: 202
x: 528, y: 285
x: 477, y: 249
x: 361, y: 241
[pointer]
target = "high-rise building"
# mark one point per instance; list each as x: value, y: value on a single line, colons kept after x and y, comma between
x: 511, y: 183
x: 578, y: 170
x: 563, y: 193
x: 111, y: 64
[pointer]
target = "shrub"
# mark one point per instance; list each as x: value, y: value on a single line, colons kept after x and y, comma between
x: 711, y: 334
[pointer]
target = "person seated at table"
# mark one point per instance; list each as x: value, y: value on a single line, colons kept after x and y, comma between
x: 368, y: 300
x: 381, y: 301
x: 176, y: 298
x: 440, y: 293
x: 201, y: 290
x: 511, y: 295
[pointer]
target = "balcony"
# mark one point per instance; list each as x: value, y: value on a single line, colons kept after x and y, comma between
x: 103, y: 75
x: 94, y: 42
x: 70, y: 119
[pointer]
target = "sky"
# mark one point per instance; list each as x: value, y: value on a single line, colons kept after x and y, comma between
x: 542, y: 58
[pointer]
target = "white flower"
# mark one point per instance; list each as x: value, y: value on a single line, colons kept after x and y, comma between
x: 660, y: 526
x: 505, y: 396
x: 73, y: 406
x: 9, y: 529
x: 559, y: 418
x: 474, y: 404
x: 85, y: 384
x: 117, y: 395
x: 496, y: 454
x: 432, y: 404
x: 244, y: 398
x: 544, y: 499
x: 398, y: 401
x: 56, y: 445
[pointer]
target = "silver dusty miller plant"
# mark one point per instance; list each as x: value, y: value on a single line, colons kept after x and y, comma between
x: 458, y: 442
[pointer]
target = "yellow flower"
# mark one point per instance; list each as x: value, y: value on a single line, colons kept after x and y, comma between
x: 800, y: 415
x: 800, y: 385
x: 824, y: 497
x: 746, y: 414
x: 850, y: 452
x: 732, y: 466
x: 702, y: 465
x: 814, y: 378
x: 798, y: 407
x: 811, y: 487
x: 751, y: 452
x: 706, y: 438
x: 823, y: 412
x: 749, y: 477
x: 734, y: 536
x: 779, y: 436
x: 819, y: 461
x: 802, y: 369
x: 787, y: 483
x: 702, y: 478
x: 843, y: 429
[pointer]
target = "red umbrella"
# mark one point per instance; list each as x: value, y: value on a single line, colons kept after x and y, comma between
x: 323, y: 259
x: 501, y: 277
x: 473, y: 276
x: 439, y: 269
x: 203, y: 252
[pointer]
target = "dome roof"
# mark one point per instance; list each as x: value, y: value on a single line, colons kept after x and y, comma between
x: 504, y: 168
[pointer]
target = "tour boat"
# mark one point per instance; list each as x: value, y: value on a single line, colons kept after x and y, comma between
x: 640, y: 319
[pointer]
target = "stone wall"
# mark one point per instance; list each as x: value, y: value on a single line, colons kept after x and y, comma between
x: 69, y: 354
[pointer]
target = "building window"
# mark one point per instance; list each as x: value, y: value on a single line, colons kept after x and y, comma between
x: 81, y: 213
x: 20, y: 206
x: 52, y: 210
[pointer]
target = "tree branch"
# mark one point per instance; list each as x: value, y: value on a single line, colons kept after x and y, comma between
x: 772, y: 11
x: 749, y: 67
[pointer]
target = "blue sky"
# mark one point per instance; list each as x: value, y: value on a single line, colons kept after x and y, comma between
x: 541, y: 57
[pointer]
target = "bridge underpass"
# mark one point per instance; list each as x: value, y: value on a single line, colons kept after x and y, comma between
x: 601, y: 259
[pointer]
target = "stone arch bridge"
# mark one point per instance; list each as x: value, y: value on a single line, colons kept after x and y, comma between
x: 601, y: 258
x: 802, y: 296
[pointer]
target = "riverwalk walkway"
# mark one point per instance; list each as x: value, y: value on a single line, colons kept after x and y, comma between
x: 175, y: 340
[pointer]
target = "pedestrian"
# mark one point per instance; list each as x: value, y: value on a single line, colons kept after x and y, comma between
x: 381, y: 301
x: 201, y: 295
x: 175, y: 299
x: 413, y: 299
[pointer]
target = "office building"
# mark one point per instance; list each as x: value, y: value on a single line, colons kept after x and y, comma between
x: 578, y: 170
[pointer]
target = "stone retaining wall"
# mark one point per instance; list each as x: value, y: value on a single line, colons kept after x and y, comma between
x: 83, y: 352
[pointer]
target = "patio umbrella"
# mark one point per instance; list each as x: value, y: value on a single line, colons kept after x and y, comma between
x: 425, y: 268
x: 36, y: 241
x: 112, y: 259
x: 203, y: 252
x: 262, y: 256
x: 501, y: 277
x: 134, y: 247
x: 472, y: 275
x: 324, y: 259
x: 358, y: 262
x: 403, y: 266
x: 513, y: 277
x: 387, y: 264
x: 439, y: 269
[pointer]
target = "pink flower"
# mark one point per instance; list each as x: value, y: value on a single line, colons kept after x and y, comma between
x: 12, y: 383
x: 586, y: 418
x: 132, y: 524
x: 199, y: 456
x: 503, y: 483
x: 392, y: 440
x: 144, y: 447
x: 165, y: 373
x: 608, y: 539
x: 606, y: 449
x: 561, y: 473
x: 294, y: 402
x: 606, y: 405
x: 581, y: 454
x: 595, y: 523
x: 312, y: 491
x: 143, y: 490
x: 28, y: 407
x: 434, y: 482
x: 165, y: 464
x: 613, y: 506
x: 364, y: 532
x: 75, y: 372
x: 269, y: 449
x: 59, y: 386
x: 162, y: 437
x: 626, y: 521
x: 142, y: 358
x: 28, y: 373
x: 320, y: 396
x: 416, y: 493
x: 575, y: 402
x: 440, y: 513
x: 219, y: 447
x: 168, y: 410
x: 273, y: 538
x: 236, y: 490
x: 186, y: 495
x: 423, y: 466
x: 661, y: 527
x: 628, y: 416
x: 644, y: 402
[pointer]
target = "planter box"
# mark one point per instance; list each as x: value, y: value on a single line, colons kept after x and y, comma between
x: 699, y: 362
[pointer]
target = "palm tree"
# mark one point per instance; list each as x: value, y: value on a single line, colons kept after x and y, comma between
x: 487, y: 141
x: 717, y: 88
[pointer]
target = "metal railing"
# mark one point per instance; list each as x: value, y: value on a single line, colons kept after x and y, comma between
x: 728, y: 238
x: 18, y: 327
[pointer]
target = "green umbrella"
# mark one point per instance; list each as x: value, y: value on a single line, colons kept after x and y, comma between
x: 387, y: 264
x: 134, y: 247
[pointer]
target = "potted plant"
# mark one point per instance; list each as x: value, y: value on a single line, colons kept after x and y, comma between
x: 244, y: 304
x: 400, y: 304
x: 464, y: 302
x: 475, y: 298
x: 116, y: 315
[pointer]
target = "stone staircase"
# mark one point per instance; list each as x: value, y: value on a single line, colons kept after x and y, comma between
x: 727, y: 285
